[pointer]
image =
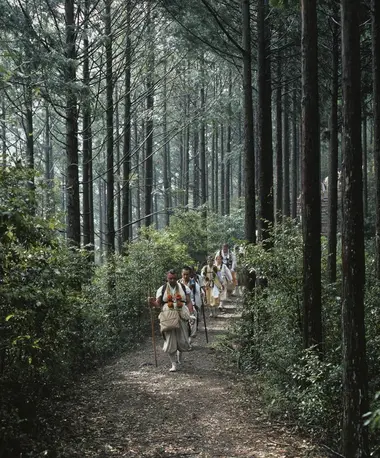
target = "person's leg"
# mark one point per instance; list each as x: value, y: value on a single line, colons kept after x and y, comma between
x: 173, y: 360
x: 179, y: 357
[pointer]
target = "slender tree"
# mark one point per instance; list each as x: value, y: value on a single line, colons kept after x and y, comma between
x: 355, y: 383
x: 126, y: 210
x: 149, y: 120
x: 249, y: 151
x: 88, y: 215
x: 376, y: 119
x: 72, y: 181
x: 311, y: 199
x: 279, y: 168
x: 264, y: 123
x: 333, y: 158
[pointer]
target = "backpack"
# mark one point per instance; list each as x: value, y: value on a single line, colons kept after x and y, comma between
x: 228, y: 261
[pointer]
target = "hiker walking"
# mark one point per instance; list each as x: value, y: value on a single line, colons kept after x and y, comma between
x: 225, y: 277
x: 174, y: 300
x: 229, y: 260
x: 213, y: 286
x: 195, y: 298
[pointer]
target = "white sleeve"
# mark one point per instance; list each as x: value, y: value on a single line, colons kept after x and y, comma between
x: 159, y: 292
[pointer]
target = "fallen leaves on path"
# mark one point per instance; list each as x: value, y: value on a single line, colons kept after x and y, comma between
x: 133, y: 409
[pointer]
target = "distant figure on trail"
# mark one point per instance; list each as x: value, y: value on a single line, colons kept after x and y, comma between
x: 225, y: 277
x: 213, y: 286
x: 176, y: 310
x: 229, y: 259
x: 195, y: 298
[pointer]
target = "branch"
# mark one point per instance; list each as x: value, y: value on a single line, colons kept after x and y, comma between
x: 224, y: 30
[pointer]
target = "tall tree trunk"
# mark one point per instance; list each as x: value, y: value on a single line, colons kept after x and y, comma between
x: 286, y: 153
x: 119, y: 225
x: 217, y: 163
x: 333, y: 159
x: 29, y: 133
x: 240, y: 163
x: 109, y: 130
x: 311, y: 202
x: 166, y: 155
x: 101, y: 216
x: 149, y: 122
x: 72, y: 184
x: 4, y: 133
x: 49, y: 167
x: 222, y: 173
x: 202, y: 134
x: 294, y: 164
x: 265, y: 124
x: 279, y: 159
x: 126, y: 201
x: 196, y: 200
x: 227, y: 161
x: 365, y: 166
x: 249, y: 150
x: 137, y: 172
x: 355, y: 378
x: 376, y: 119
x: 213, y: 164
x: 88, y: 215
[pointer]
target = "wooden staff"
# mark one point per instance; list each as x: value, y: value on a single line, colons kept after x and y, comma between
x: 204, y: 319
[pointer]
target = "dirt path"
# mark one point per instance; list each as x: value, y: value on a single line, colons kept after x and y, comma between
x: 133, y: 409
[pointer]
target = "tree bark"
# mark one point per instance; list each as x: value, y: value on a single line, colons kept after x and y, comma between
x: 110, y: 136
x: 286, y: 153
x: 88, y: 214
x: 202, y: 134
x: 355, y: 381
x: 376, y: 119
x: 311, y: 202
x: 333, y: 160
x: 126, y: 201
x: 265, y: 125
x: 249, y: 150
x: 72, y: 183
x: 149, y: 122
x: 279, y: 158
x: 166, y: 155
x: 294, y: 160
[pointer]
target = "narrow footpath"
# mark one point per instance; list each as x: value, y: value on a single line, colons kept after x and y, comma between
x: 133, y: 409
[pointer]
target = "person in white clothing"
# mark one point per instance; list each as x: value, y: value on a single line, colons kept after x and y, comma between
x: 175, y: 296
x: 213, y: 286
x: 225, y: 277
x: 193, y: 290
x: 229, y: 259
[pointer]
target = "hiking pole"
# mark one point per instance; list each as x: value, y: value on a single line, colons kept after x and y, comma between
x: 204, y: 319
x: 153, y: 333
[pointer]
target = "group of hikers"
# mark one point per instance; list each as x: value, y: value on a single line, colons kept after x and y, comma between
x: 182, y: 301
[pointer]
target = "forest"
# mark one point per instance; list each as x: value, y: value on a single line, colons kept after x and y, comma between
x: 139, y: 136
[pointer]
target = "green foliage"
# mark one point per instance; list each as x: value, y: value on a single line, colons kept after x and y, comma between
x: 40, y: 339
x: 295, y: 383
x: 204, y: 236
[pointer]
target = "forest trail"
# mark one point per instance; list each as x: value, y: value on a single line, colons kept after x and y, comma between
x: 133, y: 409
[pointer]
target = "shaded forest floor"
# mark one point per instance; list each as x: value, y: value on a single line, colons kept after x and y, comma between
x: 131, y: 408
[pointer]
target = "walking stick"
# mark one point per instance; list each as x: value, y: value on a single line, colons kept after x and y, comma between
x: 153, y: 333
x: 204, y: 319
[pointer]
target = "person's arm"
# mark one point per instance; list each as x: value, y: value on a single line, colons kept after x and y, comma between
x: 233, y: 265
x: 156, y: 301
x: 228, y: 273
